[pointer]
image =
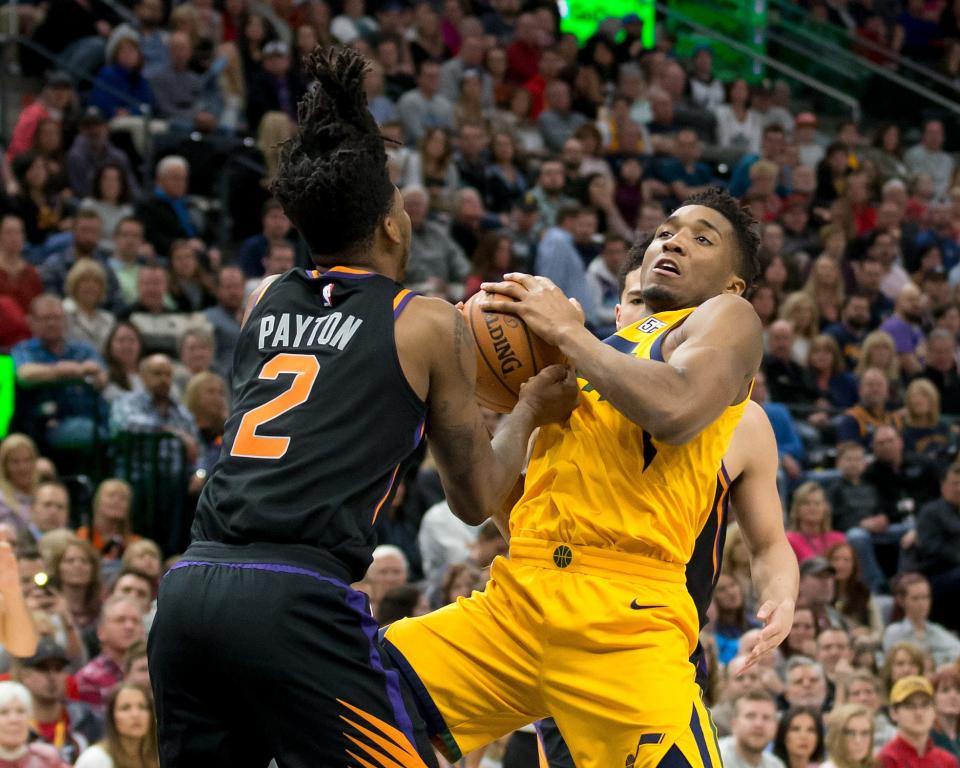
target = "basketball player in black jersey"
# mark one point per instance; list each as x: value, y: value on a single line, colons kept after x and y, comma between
x: 260, y: 649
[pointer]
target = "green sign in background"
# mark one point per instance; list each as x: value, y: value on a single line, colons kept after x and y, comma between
x: 7, y: 382
x: 743, y: 20
x: 582, y: 17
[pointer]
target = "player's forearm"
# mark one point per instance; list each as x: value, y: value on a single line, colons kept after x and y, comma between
x: 637, y: 387
x: 510, y: 451
x: 19, y: 632
x: 774, y: 571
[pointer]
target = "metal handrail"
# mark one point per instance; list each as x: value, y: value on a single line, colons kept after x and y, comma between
x: 883, y: 72
x: 851, y: 103
x: 840, y: 69
x: 870, y: 45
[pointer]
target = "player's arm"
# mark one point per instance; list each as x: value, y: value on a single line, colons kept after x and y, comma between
x: 502, y: 516
x: 710, y: 369
x: 773, y: 565
x: 478, y: 473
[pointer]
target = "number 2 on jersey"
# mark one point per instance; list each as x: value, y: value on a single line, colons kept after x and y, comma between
x: 248, y: 443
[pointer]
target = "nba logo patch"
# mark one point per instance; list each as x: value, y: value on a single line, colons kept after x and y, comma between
x: 651, y: 324
x: 328, y: 295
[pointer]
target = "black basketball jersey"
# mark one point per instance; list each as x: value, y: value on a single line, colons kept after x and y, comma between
x: 323, y: 421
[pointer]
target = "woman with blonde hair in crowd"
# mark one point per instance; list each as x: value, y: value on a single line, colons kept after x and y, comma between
x: 86, y: 288
x: 233, y: 88
x: 275, y: 128
x: 924, y: 431
x: 75, y: 573
x: 901, y: 660
x: 866, y: 689
x: 825, y: 286
x: 17, y: 750
x: 849, y: 737
x: 801, y: 310
x: 111, y: 531
x: 736, y: 562
x: 879, y: 351
x: 144, y: 555
x: 809, y: 524
x: 131, y: 732
x: 18, y: 478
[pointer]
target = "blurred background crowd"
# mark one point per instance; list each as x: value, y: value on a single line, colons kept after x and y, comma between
x: 135, y: 218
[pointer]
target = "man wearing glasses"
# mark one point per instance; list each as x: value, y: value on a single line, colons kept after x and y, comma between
x: 911, y: 707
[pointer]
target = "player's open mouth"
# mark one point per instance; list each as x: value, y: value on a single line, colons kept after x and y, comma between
x: 667, y: 267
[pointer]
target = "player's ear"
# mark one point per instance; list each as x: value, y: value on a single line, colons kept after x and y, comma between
x: 736, y: 284
x: 616, y: 314
x: 391, y: 228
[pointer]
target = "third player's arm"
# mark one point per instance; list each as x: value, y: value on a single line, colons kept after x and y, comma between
x: 478, y: 474
x: 773, y: 565
x: 709, y: 370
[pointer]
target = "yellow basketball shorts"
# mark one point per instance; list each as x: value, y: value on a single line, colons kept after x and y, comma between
x: 598, y: 640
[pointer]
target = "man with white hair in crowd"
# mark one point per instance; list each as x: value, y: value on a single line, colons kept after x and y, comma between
x: 168, y: 215
x: 436, y: 261
x: 806, y: 684
x: 389, y: 569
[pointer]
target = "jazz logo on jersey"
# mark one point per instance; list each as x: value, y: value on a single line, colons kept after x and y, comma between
x: 651, y: 325
x: 328, y: 295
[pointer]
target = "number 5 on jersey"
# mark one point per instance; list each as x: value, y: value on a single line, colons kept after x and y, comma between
x: 248, y: 443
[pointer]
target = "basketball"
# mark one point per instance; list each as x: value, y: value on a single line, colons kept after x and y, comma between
x: 508, y: 354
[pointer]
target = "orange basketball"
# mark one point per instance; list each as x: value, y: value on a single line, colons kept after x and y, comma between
x: 508, y: 354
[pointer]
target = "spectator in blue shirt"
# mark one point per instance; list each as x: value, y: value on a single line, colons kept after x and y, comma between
x: 686, y: 174
x: 852, y: 328
x: 558, y: 259
x: 120, y: 87
x: 772, y: 145
x: 62, y: 379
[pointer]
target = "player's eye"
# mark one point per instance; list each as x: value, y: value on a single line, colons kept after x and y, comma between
x: 703, y: 239
x: 665, y: 232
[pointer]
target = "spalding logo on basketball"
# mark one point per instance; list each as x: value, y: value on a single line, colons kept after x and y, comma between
x: 508, y: 354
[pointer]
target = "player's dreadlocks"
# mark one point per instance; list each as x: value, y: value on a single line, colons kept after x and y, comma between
x: 332, y: 179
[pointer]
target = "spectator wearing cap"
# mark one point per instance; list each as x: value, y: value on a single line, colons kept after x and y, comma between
x: 277, y: 88
x: 938, y: 546
x: 818, y: 586
x: 120, y: 87
x: 92, y: 150
x: 51, y: 103
x: 68, y: 726
x: 911, y: 708
x: 425, y: 107
x: 928, y: 158
x: 805, y: 140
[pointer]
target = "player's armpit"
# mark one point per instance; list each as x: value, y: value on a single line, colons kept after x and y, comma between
x: 257, y: 294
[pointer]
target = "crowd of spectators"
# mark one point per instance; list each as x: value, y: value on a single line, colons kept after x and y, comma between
x: 121, y: 294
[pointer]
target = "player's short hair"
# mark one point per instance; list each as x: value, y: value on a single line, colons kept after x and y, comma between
x: 745, y: 227
x: 754, y: 694
x: 333, y: 179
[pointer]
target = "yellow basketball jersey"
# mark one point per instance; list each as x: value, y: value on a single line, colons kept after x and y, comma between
x: 601, y: 480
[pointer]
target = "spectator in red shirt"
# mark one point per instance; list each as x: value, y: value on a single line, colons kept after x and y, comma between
x: 18, y: 278
x: 523, y: 54
x: 121, y: 625
x: 911, y: 707
x: 51, y: 103
x: 549, y: 68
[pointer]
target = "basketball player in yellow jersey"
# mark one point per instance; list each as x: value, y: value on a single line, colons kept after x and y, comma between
x: 590, y: 620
